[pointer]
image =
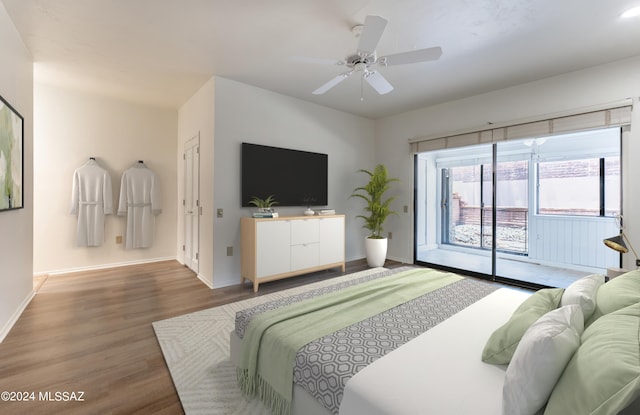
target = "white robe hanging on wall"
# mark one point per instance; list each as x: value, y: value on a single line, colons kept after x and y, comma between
x: 140, y: 201
x: 91, y: 200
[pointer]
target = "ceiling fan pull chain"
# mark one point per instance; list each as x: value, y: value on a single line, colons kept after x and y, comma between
x: 362, y: 88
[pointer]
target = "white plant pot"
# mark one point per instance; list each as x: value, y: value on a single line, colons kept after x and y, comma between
x: 376, y: 250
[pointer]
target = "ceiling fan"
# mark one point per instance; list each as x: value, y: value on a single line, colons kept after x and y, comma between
x: 365, y: 57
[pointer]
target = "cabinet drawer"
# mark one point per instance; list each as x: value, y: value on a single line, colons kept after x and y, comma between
x: 305, y: 256
x: 305, y: 231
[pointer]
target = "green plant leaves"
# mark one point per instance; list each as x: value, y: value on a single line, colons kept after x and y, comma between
x: 373, y: 193
x: 263, y: 203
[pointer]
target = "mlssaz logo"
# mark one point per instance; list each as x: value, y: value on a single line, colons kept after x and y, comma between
x: 61, y: 396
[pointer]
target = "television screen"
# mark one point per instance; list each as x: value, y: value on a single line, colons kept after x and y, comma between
x: 293, y: 177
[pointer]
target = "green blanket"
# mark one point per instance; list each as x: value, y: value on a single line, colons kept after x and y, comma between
x: 273, y: 338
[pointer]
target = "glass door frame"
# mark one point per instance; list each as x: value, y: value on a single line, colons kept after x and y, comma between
x: 493, y: 249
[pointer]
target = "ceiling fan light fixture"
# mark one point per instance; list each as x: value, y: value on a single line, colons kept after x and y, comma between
x: 360, y: 66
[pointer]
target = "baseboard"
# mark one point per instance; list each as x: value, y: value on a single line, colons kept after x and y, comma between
x: 106, y: 266
x: 198, y: 275
x: 225, y: 283
x: 401, y: 260
x: 205, y: 281
x: 16, y: 315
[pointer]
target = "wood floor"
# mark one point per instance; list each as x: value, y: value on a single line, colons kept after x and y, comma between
x: 90, y: 333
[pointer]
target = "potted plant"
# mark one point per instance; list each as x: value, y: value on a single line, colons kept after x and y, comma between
x: 378, y: 211
x: 263, y: 205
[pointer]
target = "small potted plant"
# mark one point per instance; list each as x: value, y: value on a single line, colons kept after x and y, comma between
x: 263, y: 205
x: 378, y: 211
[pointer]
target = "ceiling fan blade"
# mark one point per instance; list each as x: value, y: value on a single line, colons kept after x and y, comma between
x: 333, y: 82
x: 371, y: 33
x: 413, y: 56
x: 378, y: 82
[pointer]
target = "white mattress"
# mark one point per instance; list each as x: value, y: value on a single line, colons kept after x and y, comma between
x: 440, y: 371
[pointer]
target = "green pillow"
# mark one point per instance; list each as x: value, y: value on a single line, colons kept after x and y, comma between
x: 618, y: 293
x: 603, y: 376
x: 503, y: 342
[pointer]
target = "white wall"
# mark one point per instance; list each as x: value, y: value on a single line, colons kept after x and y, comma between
x: 594, y: 86
x: 197, y: 117
x: 16, y: 226
x: 248, y: 114
x: 70, y: 127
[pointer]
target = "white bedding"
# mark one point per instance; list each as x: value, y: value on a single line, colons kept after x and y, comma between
x: 437, y: 373
x: 440, y: 371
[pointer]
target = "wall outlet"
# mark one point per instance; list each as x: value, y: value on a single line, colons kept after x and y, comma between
x: 229, y: 251
x: 389, y: 235
x: 119, y: 239
x: 219, y: 212
x: 405, y: 208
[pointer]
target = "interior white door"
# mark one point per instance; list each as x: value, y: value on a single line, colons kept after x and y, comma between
x: 191, y: 202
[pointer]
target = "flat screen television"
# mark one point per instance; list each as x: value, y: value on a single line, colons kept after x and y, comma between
x: 293, y: 177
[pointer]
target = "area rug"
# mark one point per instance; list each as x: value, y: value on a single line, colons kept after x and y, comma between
x: 196, y: 349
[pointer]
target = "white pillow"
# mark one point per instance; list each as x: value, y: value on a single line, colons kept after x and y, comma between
x: 539, y: 360
x: 583, y: 293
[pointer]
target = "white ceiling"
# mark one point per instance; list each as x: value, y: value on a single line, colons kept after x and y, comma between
x: 161, y: 51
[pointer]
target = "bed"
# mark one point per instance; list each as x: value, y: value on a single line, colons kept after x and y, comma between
x: 425, y: 355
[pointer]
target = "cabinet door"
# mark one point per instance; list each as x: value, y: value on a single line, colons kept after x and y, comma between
x: 273, y: 247
x: 331, y: 240
x: 305, y: 231
x: 304, y: 256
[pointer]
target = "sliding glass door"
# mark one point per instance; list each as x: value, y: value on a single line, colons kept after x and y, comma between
x: 539, y: 220
x: 464, y: 199
x: 512, y: 215
x: 461, y: 210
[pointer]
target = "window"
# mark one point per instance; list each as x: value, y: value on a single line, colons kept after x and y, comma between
x: 612, y: 186
x: 551, y: 201
x: 579, y: 185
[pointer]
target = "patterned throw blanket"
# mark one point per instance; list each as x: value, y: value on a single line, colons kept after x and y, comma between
x: 323, y: 366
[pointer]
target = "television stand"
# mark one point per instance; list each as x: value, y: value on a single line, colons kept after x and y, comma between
x: 276, y: 248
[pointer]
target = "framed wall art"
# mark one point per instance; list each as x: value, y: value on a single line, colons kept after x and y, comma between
x: 11, y: 157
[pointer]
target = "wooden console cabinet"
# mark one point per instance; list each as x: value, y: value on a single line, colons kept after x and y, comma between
x: 272, y: 249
